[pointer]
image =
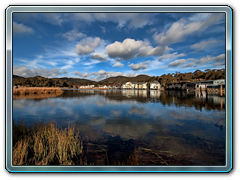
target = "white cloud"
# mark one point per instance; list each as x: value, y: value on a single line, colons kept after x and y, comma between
x: 189, y: 65
x: 171, y: 56
x: 72, y: 35
x: 192, y: 62
x: 99, y: 56
x: 129, y: 20
x: 118, y: 64
x: 52, y: 18
x: 125, y: 50
x: 87, y: 45
x: 147, y: 50
x: 138, y: 66
x: 26, y: 72
x: 204, y: 44
x: 130, y: 48
x: 103, y: 29
x: 208, y: 59
x: 219, y: 64
x: 69, y: 64
x: 177, y: 63
x: 86, y: 74
x: 21, y: 28
x: 97, y: 76
x: 91, y: 62
x: 180, y: 29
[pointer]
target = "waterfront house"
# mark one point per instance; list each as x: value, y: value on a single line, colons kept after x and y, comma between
x: 135, y: 85
x: 181, y: 86
x: 142, y: 85
x: 123, y: 86
x: 210, y: 84
x: 128, y: 85
x: 155, y: 85
x: 92, y: 86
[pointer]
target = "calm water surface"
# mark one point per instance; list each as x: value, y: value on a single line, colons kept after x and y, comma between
x: 157, y: 127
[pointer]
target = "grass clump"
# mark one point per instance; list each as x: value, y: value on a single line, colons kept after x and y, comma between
x: 36, y: 90
x: 45, y: 144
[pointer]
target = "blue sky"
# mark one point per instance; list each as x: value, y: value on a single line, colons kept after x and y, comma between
x: 100, y: 45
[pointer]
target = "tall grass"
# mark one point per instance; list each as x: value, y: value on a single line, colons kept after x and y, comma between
x: 45, y: 144
x: 36, y: 90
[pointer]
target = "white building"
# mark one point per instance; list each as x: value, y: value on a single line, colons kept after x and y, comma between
x: 155, y: 85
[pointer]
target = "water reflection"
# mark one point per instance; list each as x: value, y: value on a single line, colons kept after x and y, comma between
x: 183, y: 123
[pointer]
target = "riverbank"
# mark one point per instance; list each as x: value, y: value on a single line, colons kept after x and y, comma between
x: 36, y: 90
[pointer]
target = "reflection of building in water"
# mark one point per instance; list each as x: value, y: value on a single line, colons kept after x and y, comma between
x: 200, y: 94
x: 217, y: 99
x: 134, y: 93
x: 154, y: 93
x: 211, y: 98
x: 144, y: 93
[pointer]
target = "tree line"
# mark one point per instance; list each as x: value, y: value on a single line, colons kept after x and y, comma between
x: 39, y: 81
x: 164, y: 80
x: 198, y: 75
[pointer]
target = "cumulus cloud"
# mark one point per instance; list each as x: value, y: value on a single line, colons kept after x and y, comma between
x: 87, y: 45
x: 72, y: 35
x: 147, y: 50
x: 99, y: 56
x: 180, y: 29
x: 26, y: 72
x: 130, y: 48
x: 21, y: 28
x: 171, y: 56
x: 118, y: 64
x: 204, y: 44
x: 177, y: 63
x: 125, y: 50
x: 138, y: 66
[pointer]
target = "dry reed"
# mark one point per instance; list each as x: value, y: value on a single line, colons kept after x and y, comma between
x: 45, y: 144
x: 36, y: 90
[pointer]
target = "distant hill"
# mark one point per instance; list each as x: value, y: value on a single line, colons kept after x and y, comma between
x: 16, y: 76
x: 123, y: 79
x: 77, y: 81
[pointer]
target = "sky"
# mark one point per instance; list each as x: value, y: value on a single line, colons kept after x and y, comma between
x: 96, y: 46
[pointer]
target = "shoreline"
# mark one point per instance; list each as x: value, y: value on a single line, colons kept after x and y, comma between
x: 36, y: 90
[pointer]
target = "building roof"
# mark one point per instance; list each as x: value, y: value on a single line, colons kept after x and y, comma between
x: 155, y: 82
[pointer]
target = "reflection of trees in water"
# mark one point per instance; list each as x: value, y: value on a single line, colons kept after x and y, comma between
x: 176, y: 98
x: 119, y: 150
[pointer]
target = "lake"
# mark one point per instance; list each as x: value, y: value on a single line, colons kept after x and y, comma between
x: 154, y: 127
